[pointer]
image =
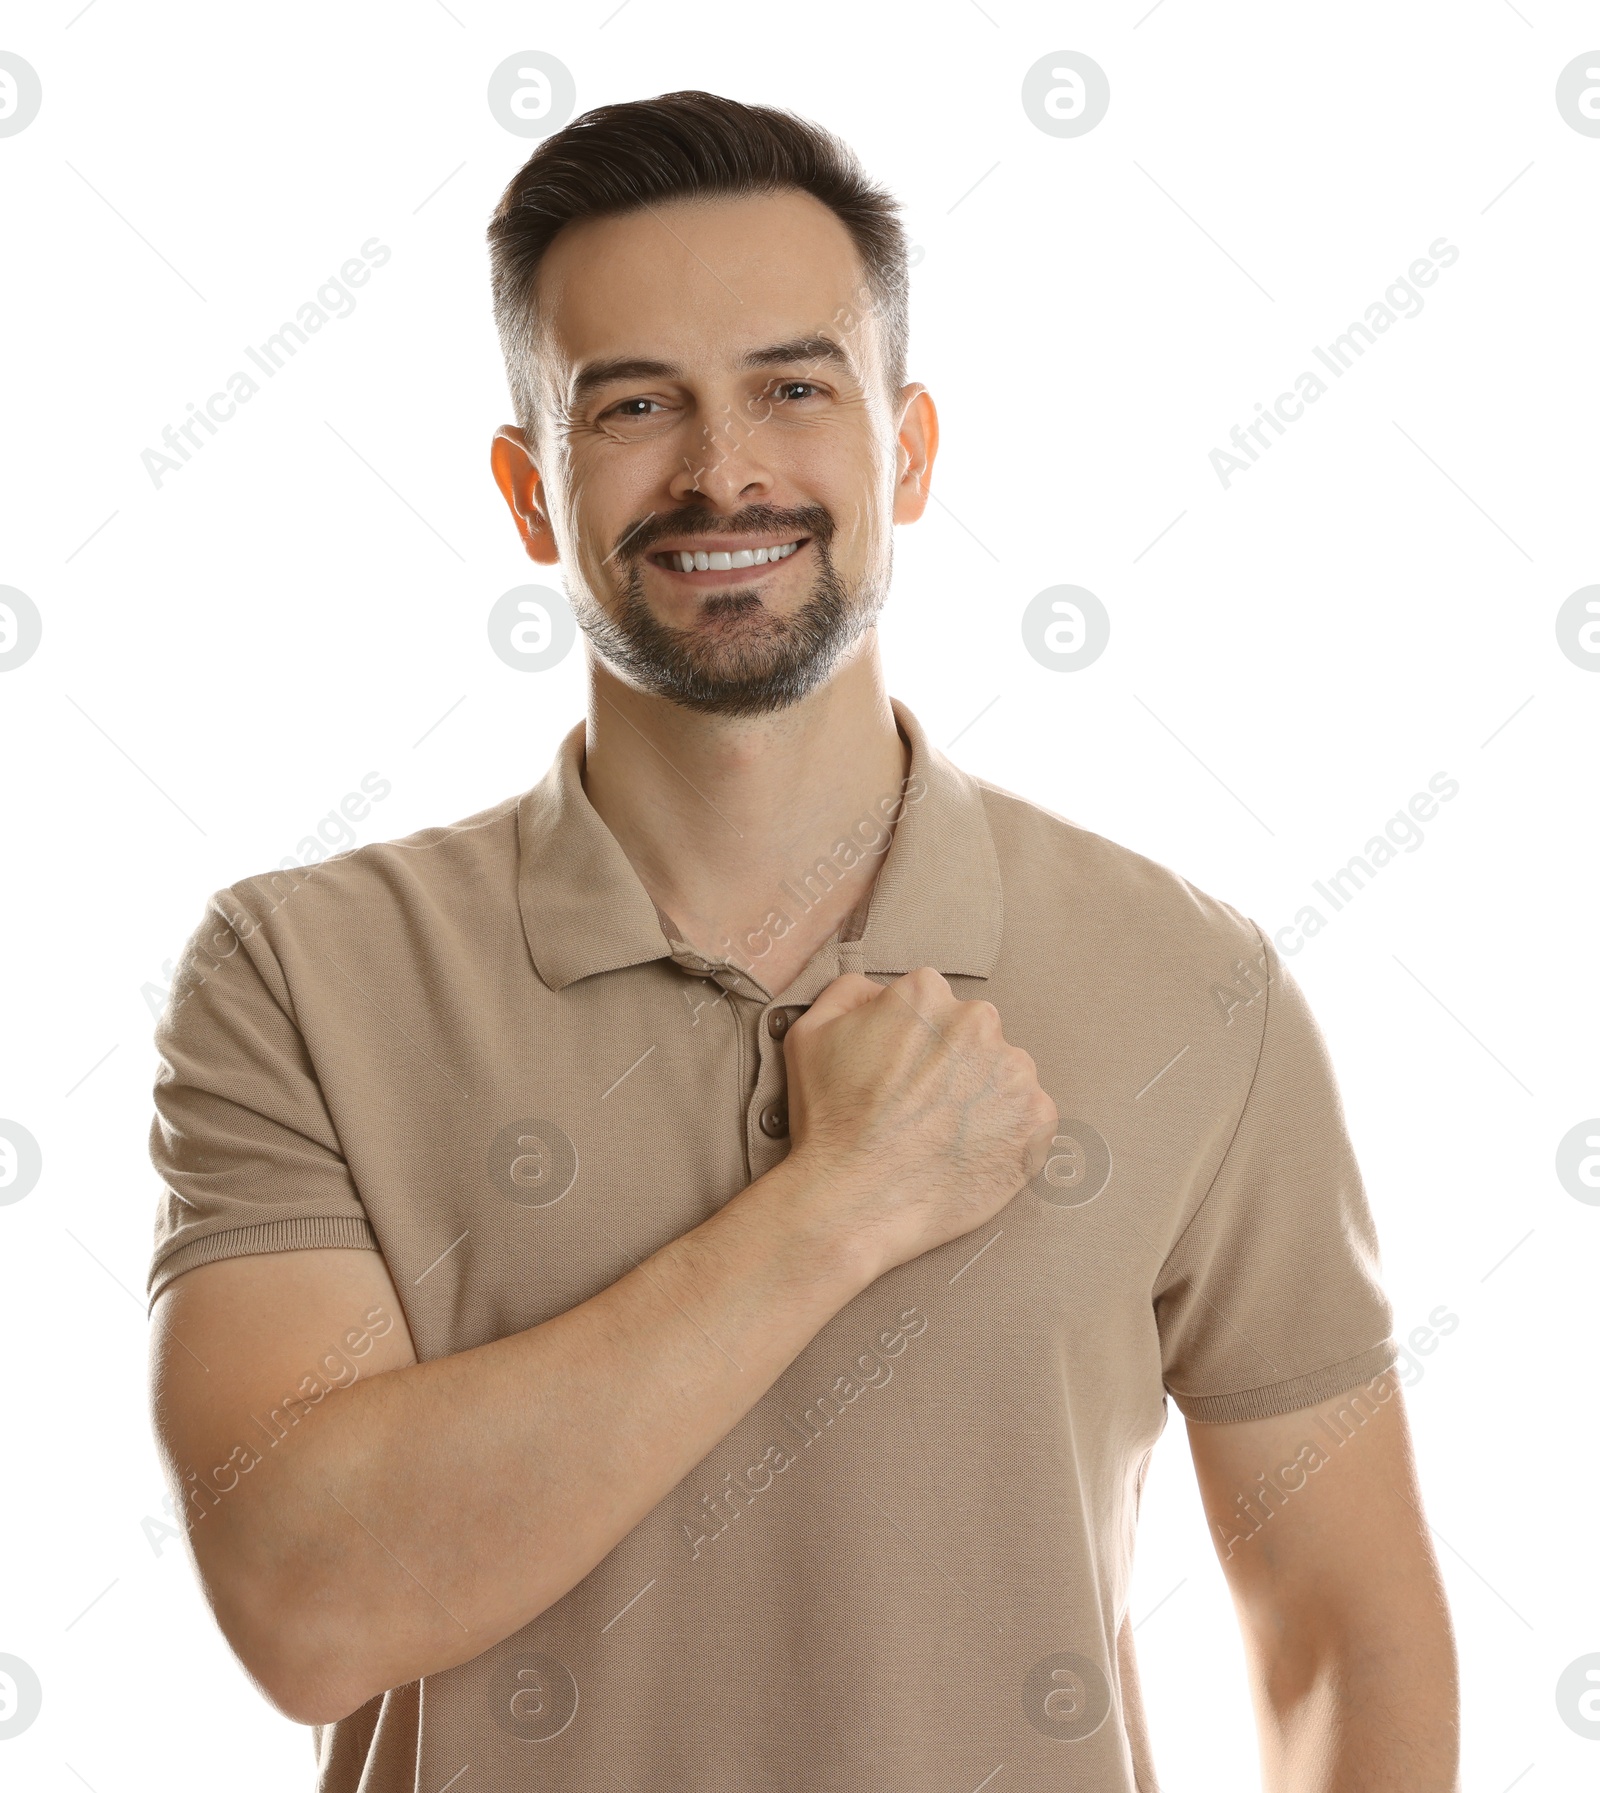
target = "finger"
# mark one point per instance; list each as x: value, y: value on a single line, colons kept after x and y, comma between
x: 852, y: 991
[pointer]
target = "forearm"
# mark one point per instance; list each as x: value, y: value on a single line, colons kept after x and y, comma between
x: 1359, y: 1704
x: 438, y: 1508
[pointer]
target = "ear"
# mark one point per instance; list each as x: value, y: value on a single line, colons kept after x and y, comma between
x: 511, y: 461
x: 918, y: 443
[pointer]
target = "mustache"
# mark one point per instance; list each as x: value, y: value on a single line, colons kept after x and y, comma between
x: 759, y: 519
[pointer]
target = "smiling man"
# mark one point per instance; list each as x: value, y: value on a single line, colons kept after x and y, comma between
x: 761, y: 1185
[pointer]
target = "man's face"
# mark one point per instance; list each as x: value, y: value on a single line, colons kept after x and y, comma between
x: 711, y: 384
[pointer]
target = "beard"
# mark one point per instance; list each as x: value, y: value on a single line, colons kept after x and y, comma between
x: 740, y: 658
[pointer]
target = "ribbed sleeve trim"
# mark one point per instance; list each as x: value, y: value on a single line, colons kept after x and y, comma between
x: 1273, y: 1398
x: 308, y: 1233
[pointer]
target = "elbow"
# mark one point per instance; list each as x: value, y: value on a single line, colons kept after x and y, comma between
x: 316, y: 1704
x: 301, y: 1672
x: 308, y: 1676
x: 307, y: 1686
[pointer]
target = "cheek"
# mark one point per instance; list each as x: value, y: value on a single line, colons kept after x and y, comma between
x: 605, y: 495
x: 863, y: 519
x: 848, y: 483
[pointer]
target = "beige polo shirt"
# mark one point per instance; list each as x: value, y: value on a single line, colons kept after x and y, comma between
x: 479, y: 1051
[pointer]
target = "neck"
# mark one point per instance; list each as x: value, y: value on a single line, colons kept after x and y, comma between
x: 725, y: 818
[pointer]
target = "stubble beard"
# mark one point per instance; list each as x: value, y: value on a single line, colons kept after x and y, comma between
x: 740, y: 658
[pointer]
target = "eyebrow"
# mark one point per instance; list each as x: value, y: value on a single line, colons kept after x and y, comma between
x: 821, y: 350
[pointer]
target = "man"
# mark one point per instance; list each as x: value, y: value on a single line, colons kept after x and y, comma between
x: 673, y: 1281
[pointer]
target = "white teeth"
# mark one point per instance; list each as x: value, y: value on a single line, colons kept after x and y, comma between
x: 721, y: 560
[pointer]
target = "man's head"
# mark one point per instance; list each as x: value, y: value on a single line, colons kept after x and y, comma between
x: 703, y: 311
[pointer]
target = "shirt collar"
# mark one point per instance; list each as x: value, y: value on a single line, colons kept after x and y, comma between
x: 936, y: 900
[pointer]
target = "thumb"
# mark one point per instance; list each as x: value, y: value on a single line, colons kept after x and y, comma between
x: 852, y: 991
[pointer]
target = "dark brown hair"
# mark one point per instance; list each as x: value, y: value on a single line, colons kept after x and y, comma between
x: 618, y: 158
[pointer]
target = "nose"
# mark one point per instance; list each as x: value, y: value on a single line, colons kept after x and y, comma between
x: 727, y: 467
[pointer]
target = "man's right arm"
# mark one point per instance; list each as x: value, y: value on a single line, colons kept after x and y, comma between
x: 410, y: 1519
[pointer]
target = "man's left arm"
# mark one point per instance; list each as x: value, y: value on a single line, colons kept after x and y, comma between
x: 1316, y: 1517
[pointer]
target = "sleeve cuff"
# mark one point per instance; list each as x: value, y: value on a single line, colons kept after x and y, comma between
x: 1273, y: 1398
x: 309, y: 1233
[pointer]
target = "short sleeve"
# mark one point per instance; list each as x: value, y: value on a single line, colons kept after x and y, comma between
x: 1270, y: 1301
x: 242, y: 1139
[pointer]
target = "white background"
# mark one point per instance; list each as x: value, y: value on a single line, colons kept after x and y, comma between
x: 225, y: 656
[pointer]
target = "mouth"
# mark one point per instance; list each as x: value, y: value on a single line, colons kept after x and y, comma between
x: 726, y: 565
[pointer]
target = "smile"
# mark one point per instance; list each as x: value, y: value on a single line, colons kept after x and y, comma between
x: 724, y: 560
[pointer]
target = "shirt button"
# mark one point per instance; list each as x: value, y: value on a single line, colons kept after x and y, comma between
x: 777, y: 1022
x: 775, y: 1120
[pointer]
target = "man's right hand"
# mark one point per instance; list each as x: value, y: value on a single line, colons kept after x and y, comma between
x: 911, y: 1116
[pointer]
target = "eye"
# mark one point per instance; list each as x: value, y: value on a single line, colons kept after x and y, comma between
x: 621, y: 410
x: 786, y: 386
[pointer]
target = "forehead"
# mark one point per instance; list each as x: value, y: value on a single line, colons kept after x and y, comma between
x: 700, y: 282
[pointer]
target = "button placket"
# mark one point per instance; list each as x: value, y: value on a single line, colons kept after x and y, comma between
x: 771, y: 1105
x: 767, y: 1119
